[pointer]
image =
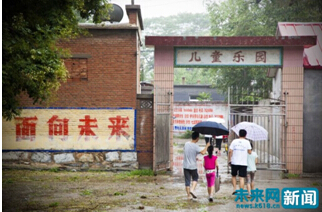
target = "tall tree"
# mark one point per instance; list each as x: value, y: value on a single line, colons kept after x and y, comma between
x: 254, y: 18
x: 183, y: 24
x: 32, y: 63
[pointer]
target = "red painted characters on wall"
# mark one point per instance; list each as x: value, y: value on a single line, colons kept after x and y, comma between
x: 119, y: 124
x: 59, y: 127
x: 26, y: 128
x: 86, y: 129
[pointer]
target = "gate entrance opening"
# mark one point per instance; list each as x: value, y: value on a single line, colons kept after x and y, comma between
x: 285, y: 53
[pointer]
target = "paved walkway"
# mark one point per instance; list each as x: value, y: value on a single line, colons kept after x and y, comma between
x: 178, y: 159
x: 224, y: 200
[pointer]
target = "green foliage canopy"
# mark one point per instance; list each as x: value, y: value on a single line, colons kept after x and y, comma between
x: 254, y: 18
x: 183, y: 24
x: 32, y: 62
x: 203, y: 96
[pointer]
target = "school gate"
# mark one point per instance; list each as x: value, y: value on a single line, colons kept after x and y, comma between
x: 276, y: 52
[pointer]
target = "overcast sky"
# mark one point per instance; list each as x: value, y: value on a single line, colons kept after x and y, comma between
x: 158, y: 8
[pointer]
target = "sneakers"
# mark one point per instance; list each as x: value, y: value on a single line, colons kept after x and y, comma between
x: 211, y: 199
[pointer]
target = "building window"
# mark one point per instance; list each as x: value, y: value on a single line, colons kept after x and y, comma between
x: 193, y: 98
x: 77, y: 68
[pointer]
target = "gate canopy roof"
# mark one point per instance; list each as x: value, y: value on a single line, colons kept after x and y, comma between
x: 312, y: 57
x: 245, y: 41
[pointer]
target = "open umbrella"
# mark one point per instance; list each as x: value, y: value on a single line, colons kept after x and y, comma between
x: 210, y: 128
x: 218, y: 120
x: 254, y: 131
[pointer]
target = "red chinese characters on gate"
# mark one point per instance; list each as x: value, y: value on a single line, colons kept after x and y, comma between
x: 261, y: 56
x: 238, y: 56
x: 58, y: 127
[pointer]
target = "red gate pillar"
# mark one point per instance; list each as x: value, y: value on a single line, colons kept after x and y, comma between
x: 163, y: 95
x: 292, y: 87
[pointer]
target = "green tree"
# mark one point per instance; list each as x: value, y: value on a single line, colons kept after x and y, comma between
x: 193, y: 76
x: 183, y: 24
x: 203, y: 96
x: 32, y: 62
x: 254, y: 18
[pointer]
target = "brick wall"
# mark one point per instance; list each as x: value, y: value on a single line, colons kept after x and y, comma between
x: 144, y: 130
x: 102, y: 71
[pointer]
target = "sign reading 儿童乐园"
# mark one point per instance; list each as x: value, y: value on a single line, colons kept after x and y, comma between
x: 70, y: 129
x: 227, y: 57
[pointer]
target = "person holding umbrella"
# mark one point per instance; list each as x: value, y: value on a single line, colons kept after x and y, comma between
x: 237, y: 158
x: 191, y: 150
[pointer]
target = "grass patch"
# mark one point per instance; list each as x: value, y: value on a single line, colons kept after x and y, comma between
x: 292, y: 176
x: 316, y: 184
x: 86, y: 192
x: 55, y: 169
x: 7, y: 181
x: 53, y: 205
x: 73, y: 179
x: 119, y: 194
x: 139, y: 172
x: 186, y: 134
x: 162, y: 172
x: 180, y: 151
x: 142, y: 172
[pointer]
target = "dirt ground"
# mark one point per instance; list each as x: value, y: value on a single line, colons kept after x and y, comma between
x: 53, y: 190
x: 26, y: 190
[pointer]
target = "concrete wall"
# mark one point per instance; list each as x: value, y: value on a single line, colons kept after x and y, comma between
x: 188, y: 114
x: 312, y: 133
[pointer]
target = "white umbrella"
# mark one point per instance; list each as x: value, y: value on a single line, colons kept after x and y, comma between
x: 254, y: 131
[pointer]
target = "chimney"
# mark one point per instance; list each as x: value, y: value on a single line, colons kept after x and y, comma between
x: 134, y: 14
x: 183, y: 80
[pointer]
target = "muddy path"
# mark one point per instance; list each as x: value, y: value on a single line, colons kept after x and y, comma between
x: 26, y: 190
x: 53, y: 190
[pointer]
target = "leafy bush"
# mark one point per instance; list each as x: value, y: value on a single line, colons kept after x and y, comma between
x: 186, y: 134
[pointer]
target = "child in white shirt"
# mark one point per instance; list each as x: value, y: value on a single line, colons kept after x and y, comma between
x: 252, y: 160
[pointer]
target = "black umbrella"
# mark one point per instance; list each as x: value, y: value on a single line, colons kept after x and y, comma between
x: 210, y: 128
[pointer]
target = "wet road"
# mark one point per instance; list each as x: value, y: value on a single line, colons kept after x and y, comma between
x: 224, y: 200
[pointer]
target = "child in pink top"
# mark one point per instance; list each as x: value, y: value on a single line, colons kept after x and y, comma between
x: 210, y: 163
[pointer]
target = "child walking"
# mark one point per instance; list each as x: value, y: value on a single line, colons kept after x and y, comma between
x: 210, y: 163
x: 251, y: 169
